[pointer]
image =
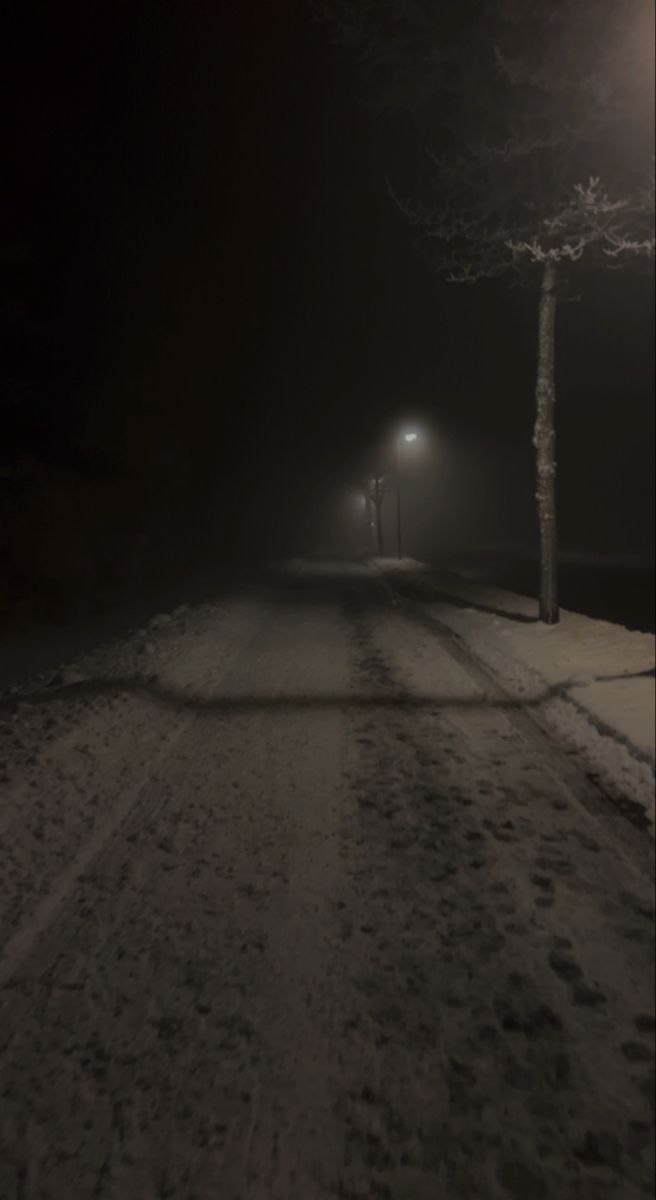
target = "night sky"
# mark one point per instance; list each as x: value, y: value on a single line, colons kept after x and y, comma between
x: 209, y: 295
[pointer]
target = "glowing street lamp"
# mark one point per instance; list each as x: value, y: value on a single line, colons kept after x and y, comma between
x: 408, y: 437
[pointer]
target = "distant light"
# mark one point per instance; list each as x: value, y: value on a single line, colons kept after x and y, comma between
x: 409, y: 437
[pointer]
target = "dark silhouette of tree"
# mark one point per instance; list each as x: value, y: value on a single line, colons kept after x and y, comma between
x: 376, y: 494
x: 541, y: 118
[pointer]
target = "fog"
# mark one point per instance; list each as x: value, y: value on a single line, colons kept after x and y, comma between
x: 455, y: 496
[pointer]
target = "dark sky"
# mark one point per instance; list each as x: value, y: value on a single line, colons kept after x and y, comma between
x: 208, y: 289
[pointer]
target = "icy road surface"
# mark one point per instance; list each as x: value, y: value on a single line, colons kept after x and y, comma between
x: 296, y: 905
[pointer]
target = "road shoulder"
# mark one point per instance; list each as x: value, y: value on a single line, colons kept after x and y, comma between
x: 589, y: 683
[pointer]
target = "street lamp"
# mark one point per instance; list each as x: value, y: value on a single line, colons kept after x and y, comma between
x: 410, y: 436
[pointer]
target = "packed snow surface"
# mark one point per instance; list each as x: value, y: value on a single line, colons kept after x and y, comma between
x: 591, y: 682
x: 303, y: 899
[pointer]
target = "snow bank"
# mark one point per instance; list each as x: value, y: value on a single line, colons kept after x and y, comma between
x: 590, y: 681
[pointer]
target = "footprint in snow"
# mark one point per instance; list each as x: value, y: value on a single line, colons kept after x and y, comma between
x: 564, y: 966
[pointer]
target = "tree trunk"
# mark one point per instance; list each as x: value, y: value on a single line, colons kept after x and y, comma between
x: 544, y: 440
x: 376, y: 494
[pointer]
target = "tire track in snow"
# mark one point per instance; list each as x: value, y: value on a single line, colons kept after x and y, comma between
x: 490, y: 1038
x: 296, y: 1002
x: 53, y: 907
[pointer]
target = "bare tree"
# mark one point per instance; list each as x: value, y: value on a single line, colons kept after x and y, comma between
x: 542, y: 157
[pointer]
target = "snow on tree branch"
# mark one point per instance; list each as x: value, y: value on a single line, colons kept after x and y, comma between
x: 592, y: 219
x: 540, y: 111
x: 624, y: 245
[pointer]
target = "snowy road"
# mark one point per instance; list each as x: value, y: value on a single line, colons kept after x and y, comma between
x: 295, y: 905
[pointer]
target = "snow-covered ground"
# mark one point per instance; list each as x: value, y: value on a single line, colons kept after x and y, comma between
x: 611, y: 587
x: 590, y: 682
x: 301, y: 899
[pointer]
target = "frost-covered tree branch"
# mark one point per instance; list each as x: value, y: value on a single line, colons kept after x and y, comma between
x: 592, y: 221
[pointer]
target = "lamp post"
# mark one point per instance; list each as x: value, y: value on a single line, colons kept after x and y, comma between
x: 402, y: 437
